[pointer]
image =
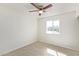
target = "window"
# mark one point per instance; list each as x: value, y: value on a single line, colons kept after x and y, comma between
x: 52, y: 27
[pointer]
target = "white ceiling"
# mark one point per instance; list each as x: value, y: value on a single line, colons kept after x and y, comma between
x: 21, y: 6
x: 57, y: 7
x: 17, y: 6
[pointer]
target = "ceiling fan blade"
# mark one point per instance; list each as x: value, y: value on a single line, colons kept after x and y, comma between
x: 35, y: 6
x: 48, y: 6
x: 34, y: 11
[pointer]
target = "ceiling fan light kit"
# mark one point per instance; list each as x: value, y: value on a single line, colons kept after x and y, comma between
x: 40, y: 8
x: 41, y: 11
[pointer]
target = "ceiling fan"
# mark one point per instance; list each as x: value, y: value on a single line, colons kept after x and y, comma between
x: 40, y: 8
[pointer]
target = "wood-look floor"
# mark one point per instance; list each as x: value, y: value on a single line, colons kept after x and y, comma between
x: 42, y: 49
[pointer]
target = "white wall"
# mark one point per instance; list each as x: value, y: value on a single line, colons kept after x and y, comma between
x: 68, y: 36
x: 16, y: 30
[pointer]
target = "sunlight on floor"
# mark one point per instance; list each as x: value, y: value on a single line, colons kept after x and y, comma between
x: 54, y: 53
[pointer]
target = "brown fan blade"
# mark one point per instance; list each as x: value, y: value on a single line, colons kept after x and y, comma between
x: 35, y: 6
x: 34, y: 11
x: 48, y: 6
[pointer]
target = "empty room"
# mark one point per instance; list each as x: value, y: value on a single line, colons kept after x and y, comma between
x: 39, y: 29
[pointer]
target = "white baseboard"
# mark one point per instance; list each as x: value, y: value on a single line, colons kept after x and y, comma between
x: 63, y: 45
x: 5, y: 52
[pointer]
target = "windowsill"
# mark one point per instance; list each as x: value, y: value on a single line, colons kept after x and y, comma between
x: 52, y: 32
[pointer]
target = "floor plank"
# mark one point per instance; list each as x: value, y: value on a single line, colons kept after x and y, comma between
x: 42, y: 49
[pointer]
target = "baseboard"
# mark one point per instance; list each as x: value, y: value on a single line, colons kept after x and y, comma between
x: 64, y: 46
x: 5, y: 52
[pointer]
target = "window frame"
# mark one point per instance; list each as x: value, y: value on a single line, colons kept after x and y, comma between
x: 53, y: 32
